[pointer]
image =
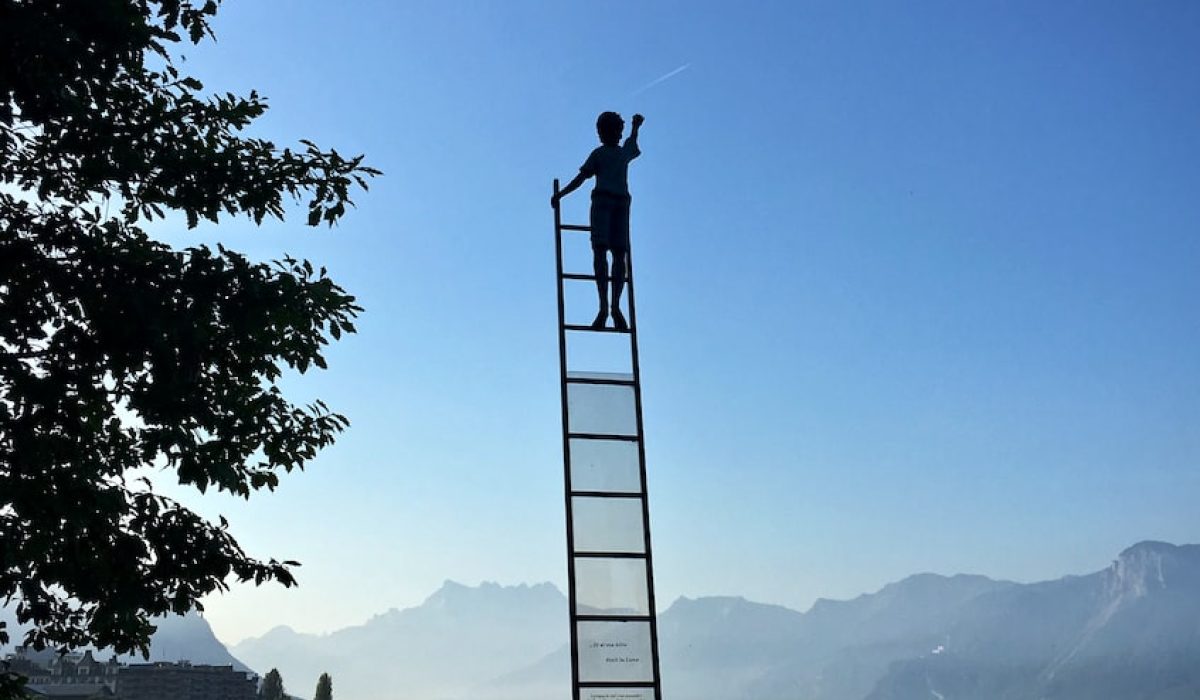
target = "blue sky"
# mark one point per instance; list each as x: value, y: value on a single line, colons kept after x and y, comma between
x: 916, y: 283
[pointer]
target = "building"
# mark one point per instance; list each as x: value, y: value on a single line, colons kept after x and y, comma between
x: 79, y: 676
x: 69, y: 691
x: 183, y: 681
x: 66, y: 675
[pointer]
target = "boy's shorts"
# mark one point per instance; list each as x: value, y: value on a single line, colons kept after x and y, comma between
x: 610, y: 221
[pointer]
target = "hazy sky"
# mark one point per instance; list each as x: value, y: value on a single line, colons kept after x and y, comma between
x: 917, y: 288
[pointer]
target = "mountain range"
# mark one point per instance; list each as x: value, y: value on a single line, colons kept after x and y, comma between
x: 1128, y: 632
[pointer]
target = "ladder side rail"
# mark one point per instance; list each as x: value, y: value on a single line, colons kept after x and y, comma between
x: 566, y: 440
x: 637, y: 393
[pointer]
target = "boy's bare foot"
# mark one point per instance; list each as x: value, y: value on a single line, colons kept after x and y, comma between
x: 601, y: 319
x: 619, y: 320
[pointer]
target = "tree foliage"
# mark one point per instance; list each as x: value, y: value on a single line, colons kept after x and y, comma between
x: 272, y: 686
x: 12, y: 684
x: 324, y: 688
x: 120, y: 354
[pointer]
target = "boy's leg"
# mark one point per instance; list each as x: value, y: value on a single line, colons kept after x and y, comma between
x: 601, y: 223
x: 618, y: 285
x: 619, y: 243
x: 600, y: 268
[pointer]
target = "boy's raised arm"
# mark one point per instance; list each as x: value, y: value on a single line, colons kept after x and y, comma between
x: 631, y: 144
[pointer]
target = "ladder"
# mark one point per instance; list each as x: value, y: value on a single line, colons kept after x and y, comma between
x: 610, y: 576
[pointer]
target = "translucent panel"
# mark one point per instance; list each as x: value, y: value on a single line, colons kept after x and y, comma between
x: 616, y: 694
x: 601, y: 352
x: 611, y: 586
x: 615, y: 652
x: 608, y: 524
x: 601, y: 408
x: 580, y: 301
x: 605, y: 465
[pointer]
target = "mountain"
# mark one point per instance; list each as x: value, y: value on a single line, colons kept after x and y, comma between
x: 178, y: 638
x: 188, y: 638
x: 1131, y: 631
x: 1128, y: 632
x: 459, y: 638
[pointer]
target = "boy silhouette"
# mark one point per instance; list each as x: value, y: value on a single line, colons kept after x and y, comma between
x: 609, y: 221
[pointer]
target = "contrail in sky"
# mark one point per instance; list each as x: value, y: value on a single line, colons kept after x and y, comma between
x: 659, y: 79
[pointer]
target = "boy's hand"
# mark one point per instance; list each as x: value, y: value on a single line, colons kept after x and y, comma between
x: 638, y: 119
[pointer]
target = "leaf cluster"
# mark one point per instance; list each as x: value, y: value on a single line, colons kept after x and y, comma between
x: 84, y: 114
x: 120, y: 355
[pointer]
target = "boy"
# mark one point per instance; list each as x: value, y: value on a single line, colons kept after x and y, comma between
x: 609, y: 163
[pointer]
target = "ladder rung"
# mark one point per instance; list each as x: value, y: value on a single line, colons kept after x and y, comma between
x: 610, y: 555
x: 590, y: 617
x: 601, y: 436
x: 575, y: 227
x: 608, y: 494
x: 580, y: 327
x: 589, y: 278
x: 597, y: 380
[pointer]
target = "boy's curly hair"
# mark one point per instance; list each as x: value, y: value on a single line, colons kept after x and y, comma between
x: 609, y: 126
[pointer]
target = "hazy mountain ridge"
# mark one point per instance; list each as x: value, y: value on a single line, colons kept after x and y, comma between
x: 1131, y: 631
x: 1128, y: 632
x: 457, y: 639
x: 177, y: 638
x: 976, y: 637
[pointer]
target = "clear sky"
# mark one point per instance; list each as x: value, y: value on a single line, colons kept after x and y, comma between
x: 917, y: 288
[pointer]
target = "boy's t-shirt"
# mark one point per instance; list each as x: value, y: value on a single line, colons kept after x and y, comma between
x: 610, y: 165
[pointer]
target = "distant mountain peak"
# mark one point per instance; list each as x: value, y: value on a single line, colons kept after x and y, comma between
x: 926, y: 579
x: 280, y: 630
x: 1150, y: 565
x: 1149, y: 547
x: 454, y: 597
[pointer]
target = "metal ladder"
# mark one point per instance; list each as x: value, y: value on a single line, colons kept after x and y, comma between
x: 610, y: 573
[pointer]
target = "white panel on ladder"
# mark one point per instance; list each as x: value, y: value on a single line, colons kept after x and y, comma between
x: 608, y: 525
x: 602, y: 352
x: 601, y: 408
x: 605, y: 465
x: 615, y: 652
x: 611, y: 586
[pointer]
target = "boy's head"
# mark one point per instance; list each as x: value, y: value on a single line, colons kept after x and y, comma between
x: 609, y: 126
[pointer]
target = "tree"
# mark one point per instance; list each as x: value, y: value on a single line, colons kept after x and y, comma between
x: 324, y: 688
x: 12, y: 684
x: 272, y: 686
x: 119, y: 353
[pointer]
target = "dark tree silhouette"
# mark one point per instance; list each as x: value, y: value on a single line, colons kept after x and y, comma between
x: 272, y: 686
x: 324, y: 688
x: 118, y: 352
